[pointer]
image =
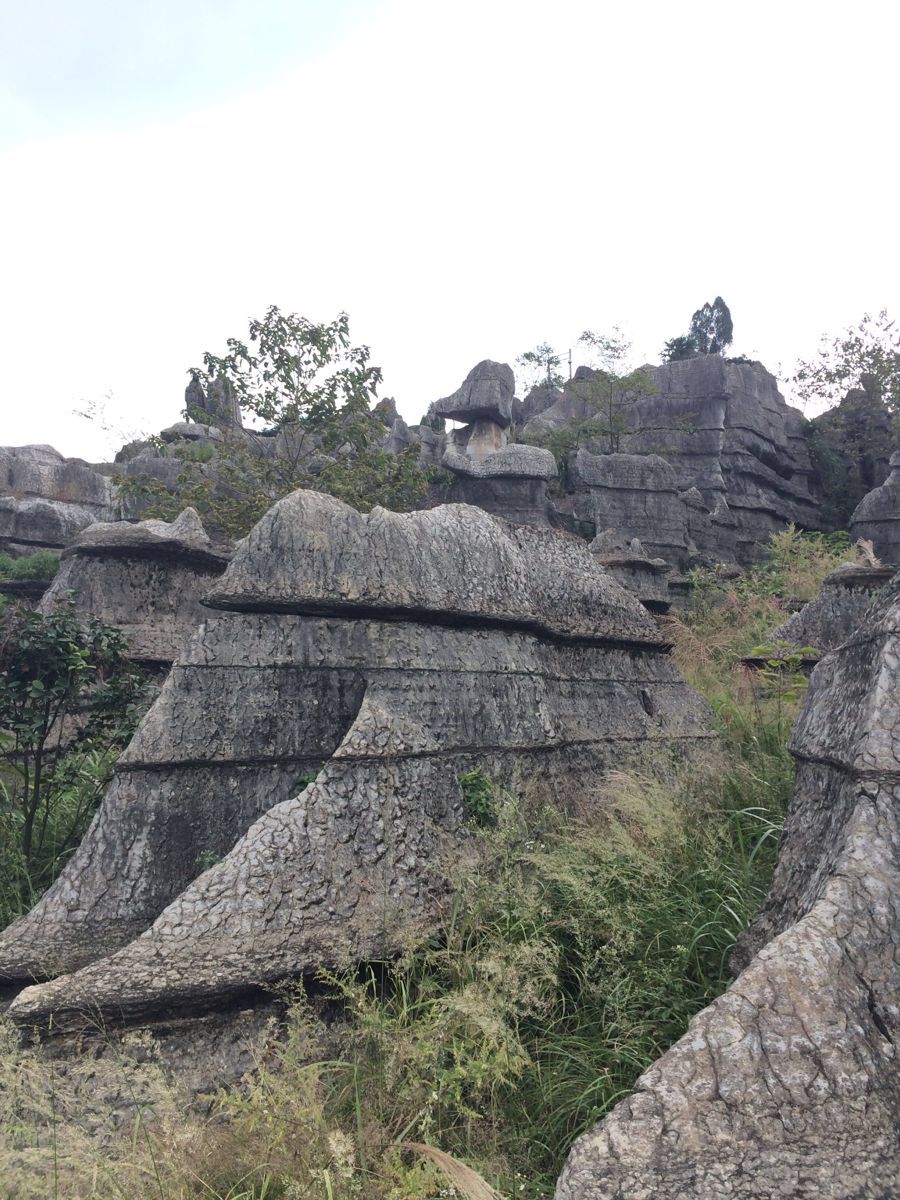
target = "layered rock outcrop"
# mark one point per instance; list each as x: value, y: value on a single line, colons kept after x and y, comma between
x: 725, y: 430
x: 877, y: 517
x: 787, y: 1085
x: 145, y: 578
x: 46, y: 500
x: 313, y: 733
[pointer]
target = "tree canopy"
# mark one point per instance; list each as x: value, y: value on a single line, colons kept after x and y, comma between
x: 865, y: 355
x: 309, y: 394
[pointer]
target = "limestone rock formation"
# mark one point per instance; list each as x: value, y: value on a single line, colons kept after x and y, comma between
x: 146, y: 578
x: 829, y: 619
x: 726, y: 430
x: 29, y: 525
x: 877, y: 517
x: 486, y: 394
x: 787, y: 1085
x: 380, y: 656
x: 637, y: 495
x: 218, y: 405
x: 630, y: 565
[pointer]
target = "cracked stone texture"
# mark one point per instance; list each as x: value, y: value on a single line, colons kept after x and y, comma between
x: 379, y: 656
x: 486, y: 393
x: 835, y: 613
x: 787, y: 1085
x: 146, y: 578
x: 877, y: 517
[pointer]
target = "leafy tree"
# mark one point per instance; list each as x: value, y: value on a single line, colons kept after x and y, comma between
x: 308, y: 394
x: 612, y: 388
x: 679, y: 348
x: 865, y: 356
x: 712, y: 328
x: 541, y: 365
x: 69, y: 700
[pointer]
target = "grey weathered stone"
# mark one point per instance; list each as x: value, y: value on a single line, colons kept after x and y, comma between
x: 630, y: 565
x: 146, y: 578
x: 41, y: 523
x: 877, y: 517
x: 219, y: 403
x: 830, y: 618
x: 636, y: 494
x: 787, y: 1085
x: 485, y: 394
x: 41, y: 473
x: 399, y: 650
x: 726, y: 430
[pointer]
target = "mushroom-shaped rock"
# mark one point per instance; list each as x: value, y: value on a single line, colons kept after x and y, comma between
x: 486, y: 394
x: 400, y: 651
x: 147, y: 578
x: 787, y: 1084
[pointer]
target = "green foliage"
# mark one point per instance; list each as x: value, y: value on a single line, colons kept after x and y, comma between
x: 312, y: 391
x: 678, y: 348
x: 541, y: 365
x: 42, y: 564
x: 480, y: 799
x: 712, y: 328
x: 69, y: 700
x: 866, y: 356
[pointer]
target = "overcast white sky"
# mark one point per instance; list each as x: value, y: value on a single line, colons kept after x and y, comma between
x: 464, y: 179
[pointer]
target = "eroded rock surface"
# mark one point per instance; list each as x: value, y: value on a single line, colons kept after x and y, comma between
x: 829, y: 619
x: 146, y: 578
x: 787, y: 1085
x: 725, y: 430
x: 877, y: 517
x: 380, y: 657
x: 46, y: 499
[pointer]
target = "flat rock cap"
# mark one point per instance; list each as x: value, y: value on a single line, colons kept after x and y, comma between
x: 486, y: 394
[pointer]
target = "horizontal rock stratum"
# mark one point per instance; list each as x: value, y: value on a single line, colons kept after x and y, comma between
x: 312, y: 736
x: 787, y: 1085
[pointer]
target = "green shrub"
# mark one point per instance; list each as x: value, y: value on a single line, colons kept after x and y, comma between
x: 43, y: 564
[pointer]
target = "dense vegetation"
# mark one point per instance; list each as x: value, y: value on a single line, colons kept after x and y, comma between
x: 572, y: 955
x: 69, y: 701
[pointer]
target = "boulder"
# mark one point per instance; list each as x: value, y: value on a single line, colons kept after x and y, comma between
x: 485, y: 394
x: 313, y: 735
x: 787, y: 1084
x: 877, y: 517
x: 146, y: 578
